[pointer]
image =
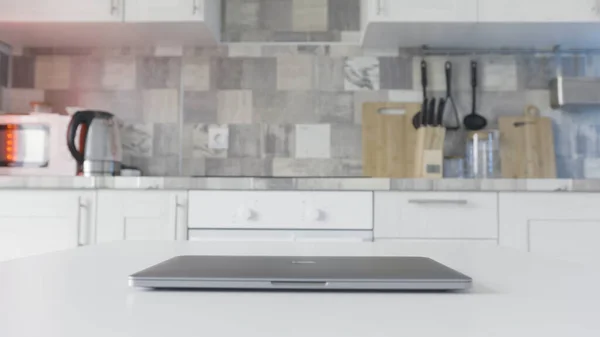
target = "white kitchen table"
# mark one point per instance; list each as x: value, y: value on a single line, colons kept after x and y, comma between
x: 84, y: 293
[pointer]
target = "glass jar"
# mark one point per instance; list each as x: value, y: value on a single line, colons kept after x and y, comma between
x: 483, y: 155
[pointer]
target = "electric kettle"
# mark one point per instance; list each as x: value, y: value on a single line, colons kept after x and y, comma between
x: 97, y: 150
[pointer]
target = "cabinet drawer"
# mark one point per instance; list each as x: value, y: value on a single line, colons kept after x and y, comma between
x: 280, y: 210
x: 436, y: 215
x: 279, y: 235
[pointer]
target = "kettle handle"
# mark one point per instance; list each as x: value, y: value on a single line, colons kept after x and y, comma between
x: 79, y: 118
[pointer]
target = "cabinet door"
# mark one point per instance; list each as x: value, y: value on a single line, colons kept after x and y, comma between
x: 436, y: 215
x: 164, y: 10
x: 61, y: 11
x: 37, y: 222
x: 424, y: 10
x: 538, y: 10
x: 564, y: 226
x: 141, y: 215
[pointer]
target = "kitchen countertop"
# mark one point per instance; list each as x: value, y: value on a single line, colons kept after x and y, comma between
x: 84, y: 292
x: 305, y: 184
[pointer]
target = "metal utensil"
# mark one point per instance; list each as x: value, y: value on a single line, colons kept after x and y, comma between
x: 449, y: 103
x: 421, y: 117
x: 474, y: 121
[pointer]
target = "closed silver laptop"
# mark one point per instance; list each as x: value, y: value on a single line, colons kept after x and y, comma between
x: 314, y: 273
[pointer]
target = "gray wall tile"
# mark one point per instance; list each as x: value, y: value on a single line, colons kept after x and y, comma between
x: 278, y: 140
x: 200, y: 107
x: 329, y: 74
x: 227, y: 73
x: 60, y: 99
x: 244, y: 141
x: 159, y: 72
x: 259, y: 73
x: 225, y: 167
x: 276, y: 15
x: 290, y: 37
x: 241, y: 14
x: 194, y: 167
x: 285, y: 107
x: 283, y: 167
x: 166, y: 140
x: 87, y: 73
x: 335, y: 107
x: 23, y: 72
x: 324, y: 36
x: 344, y: 15
x: 361, y: 73
x: 235, y: 106
x: 346, y: 141
x: 295, y: 72
x: 163, y: 166
x: 195, y: 140
x: 309, y: 15
x: 119, y: 73
x: 395, y: 73
x: 536, y: 72
x: 138, y: 140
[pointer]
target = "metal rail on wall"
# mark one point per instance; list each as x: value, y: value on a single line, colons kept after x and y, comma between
x: 450, y: 51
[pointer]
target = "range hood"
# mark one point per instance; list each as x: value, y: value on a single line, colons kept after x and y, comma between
x: 575, y: 92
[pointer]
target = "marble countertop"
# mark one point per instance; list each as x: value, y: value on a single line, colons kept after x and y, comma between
x: 302, y: 184
x: 84, y: 292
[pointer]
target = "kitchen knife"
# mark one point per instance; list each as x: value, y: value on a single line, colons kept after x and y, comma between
x: 431, y: 112
x: 440, y: 112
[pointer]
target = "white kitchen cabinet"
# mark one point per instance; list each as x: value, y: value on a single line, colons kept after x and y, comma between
x: 141, y: 215
x: 164, y: 10
x: 61, y: 11
x: 99, y: 23
x: 539, y: 11
x: 422, y: 11
x: 436, y: 215
x: 281, y: 210
x: 41, y: 221
x: 564, y: 226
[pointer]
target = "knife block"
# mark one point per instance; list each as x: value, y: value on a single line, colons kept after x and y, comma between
x: 429, y: 152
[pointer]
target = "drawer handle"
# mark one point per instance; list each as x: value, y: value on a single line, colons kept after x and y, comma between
x: 438, y: 202
x: 313, y: 214
x: 245, y: 213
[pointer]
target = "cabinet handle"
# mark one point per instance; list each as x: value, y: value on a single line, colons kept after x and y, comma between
x: 177, y: 207
x: 381, y: 7
x: 195, y: 8
x: 437, y: 201
x: 114, y: 7
x: 80, y: 206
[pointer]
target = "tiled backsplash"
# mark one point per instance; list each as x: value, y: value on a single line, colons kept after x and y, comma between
x: 281, y: 110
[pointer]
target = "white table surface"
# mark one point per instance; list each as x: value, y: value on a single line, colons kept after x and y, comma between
x: 84, y: 293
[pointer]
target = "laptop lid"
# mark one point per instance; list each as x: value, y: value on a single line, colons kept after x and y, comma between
x: 284, y: 272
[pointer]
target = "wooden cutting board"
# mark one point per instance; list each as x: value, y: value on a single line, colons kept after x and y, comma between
x: 527, y: 146
x: 389, y: 139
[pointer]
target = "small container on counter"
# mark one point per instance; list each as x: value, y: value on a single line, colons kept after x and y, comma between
x: 454, y: 167
x: 482, y: 159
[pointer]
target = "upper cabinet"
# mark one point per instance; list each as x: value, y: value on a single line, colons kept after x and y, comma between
x: 481, y: 23
x: 164, y: 10
x: 99, y: 23
x: 423, y: 11
x: 410, y: 23
x: 63, y: 11
x: 539, y: 11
